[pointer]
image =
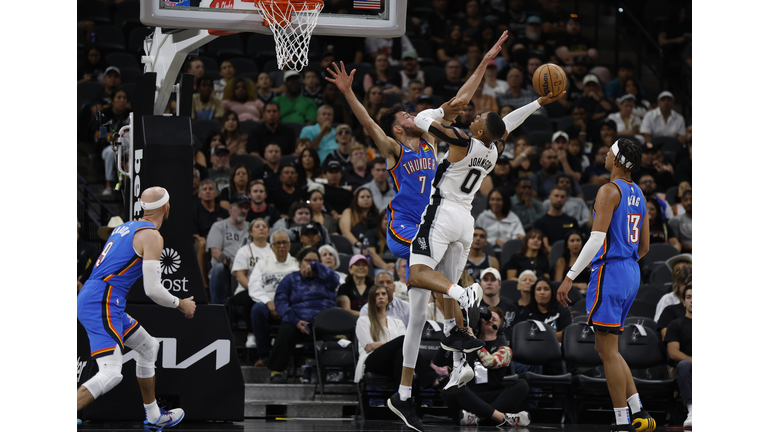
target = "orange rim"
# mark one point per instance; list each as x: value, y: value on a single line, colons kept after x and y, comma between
x: 283, y: 6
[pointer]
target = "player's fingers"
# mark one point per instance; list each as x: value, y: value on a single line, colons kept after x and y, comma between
x: 342, y: 67
x: 352, y: 74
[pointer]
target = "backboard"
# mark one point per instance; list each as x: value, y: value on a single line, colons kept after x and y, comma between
x: 360, y: 18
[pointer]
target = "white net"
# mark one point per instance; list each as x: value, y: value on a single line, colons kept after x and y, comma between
x: 291, y: 23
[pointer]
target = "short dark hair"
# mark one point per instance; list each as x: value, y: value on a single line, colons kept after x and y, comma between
x: 481, y: 229
x: 296, y: 206
x: 304, y: 74
x: 272, y: 103
x: 687, y: 193
x: 306, y: 251
x: 389, y: 119
x: 494, y: 126
x: 203, y: 79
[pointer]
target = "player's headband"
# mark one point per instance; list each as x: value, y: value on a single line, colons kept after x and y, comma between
x: 157, y: 204
x: 622, y: 160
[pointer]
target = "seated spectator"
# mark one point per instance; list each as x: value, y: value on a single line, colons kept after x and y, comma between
x: 675, y: 296
x: 380, y: 337
x: 269, y: 173
x: 311, y: 86
x: 117, y: 113
x: 330, y: 258
x: 205, y: 213
x: 660, y: 232
x: 224, y: 240
x: 545, y: 308
x: 678, y: 208
x: 257, y: 193
x: 271, y: 131
x: 353, y: 293
x: 320, y: 215
x: 652, y: 163
x: 287, y: 194
x: 684, y: 160
x: 492, y: 401
x: 533, y: 43
x: 203, y: 155
x: 477, y: 260
x: 239, y: 179
x: 615, y: 88
x: 679, y: 340
x: 396, y: 308
x: 627, y: 122
x: 299, y: 297
x: 642, y: 106
x: 499, y: 222
x: 294, y: 107
x: 673, y: 312
x: 575, y: 150
x: 220, y: 170
x: 648, y: 186
x: 490, y: 282
x: 265, y: 90
x: 500, y: 177
x: 240, y: 96
x: 449, y: 86
x: 205, y: 105
x: 321, y: 134
x: 415, y: 91
x: 679, y: 262
x: 299, y: 215
x: 375, y: 245
x: 380, y: 187
x: 555, y: 224
x: 487, y: 37
x: 528, y: 209
x: 337, y: 198
x: 246, y: 259
x: 663, y: 121
x: 516, y: 95
x: 360, y: 217
x: 234, y: 138
x: 196, y: 67
x: 345, y: 142
x: 525, y: 284
x: 574, y: 207
x: 358, y: 174
x: 373, y: 100
x: 311, y: 236
x: 545, y: 179
x: 484, y: 102
x: 382, y: 76
x: 594, y: 102
x: 473, y: 20
x: 227, y: 72
x: 572, y: 43
x: 411, y: 72
x: 112, y: 81
x: 531, y: 256
x: 568, y: 163
x: 526, y: 160
x: 574, y: 242
x: 597, y: 173
x: 454, y: 44
x: 401, y: 289
x: 682, y: 225
x: 492, y: 86
x: 95, y: 65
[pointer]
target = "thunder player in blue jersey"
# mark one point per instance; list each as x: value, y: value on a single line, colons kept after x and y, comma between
x: 620, y: 237
x: 133, y: 249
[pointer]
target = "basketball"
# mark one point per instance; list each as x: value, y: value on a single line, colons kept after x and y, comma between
x: 549, y: 78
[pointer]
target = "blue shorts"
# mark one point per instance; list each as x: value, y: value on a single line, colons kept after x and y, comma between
x: 399, y: 236
x: 611, y: 291
x: 102, y: 314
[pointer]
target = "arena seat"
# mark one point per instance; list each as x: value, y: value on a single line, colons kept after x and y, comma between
x: 510, y: 248
x: 330, y: 326
x: 588, y: 384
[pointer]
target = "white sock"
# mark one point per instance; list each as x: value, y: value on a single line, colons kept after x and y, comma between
x: 153, y: 412
x: 458, y: 356
x: 622, y: 415
x: 448, y: 325
x: 634, y: 403
x: 690, y: 407
x: 455, y: 292
x: 405, y: 392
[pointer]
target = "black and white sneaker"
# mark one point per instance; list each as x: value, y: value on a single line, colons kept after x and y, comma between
x: 406, y: 411
x: 460, y: 340
x: 459, y: 377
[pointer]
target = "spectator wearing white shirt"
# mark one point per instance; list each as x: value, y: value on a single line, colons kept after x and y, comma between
x: 396, y: 308
x: 663, y: 121
x: 627, y: 122
x: 492, y: 86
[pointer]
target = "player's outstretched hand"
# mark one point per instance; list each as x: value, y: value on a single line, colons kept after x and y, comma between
x: 187, y: 306
x: 496, y: 48
x: 340, y: 77
x: 452, y: 109
x: 562, y: 292
x: 548, y: 99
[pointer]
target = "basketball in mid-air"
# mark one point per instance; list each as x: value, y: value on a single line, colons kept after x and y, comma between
x: 549, y: 78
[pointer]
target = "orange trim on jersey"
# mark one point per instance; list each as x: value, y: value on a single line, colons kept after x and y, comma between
x: 144, y: 227
x: 598, y: 287
x: 394, y: 233
x: 102, y: 351
x: 627, y: 182
x: 606, y: 324
x: 135, y: 324
x: 122, y: 272
x: 395, y: 181
x: 108, y: 314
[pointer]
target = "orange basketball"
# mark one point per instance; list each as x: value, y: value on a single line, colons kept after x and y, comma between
x: 549, y: 78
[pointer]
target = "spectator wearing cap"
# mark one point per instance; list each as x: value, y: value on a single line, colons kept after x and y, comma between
x: 533, y: 43
x: 412, y: 72
x: 223, y: 241
x: 569, y: 163
x: 112, y: 81
x: 491, y: 86
x: 205, y: 105
x: 572, y: 43
x: 615, y: 88
x: 357, y: 175
x: 682, y: 224
x: 423, y: 102
x: 337, y: 197
x: 321, y: 135
x: 118, y: 114
x: 663, y: 121
x: 627, y: 122
x: 353, y: 293
x: 241, y: 97
x: 344, y: 143
x: 490, y: 282
x: 300, y: 215
x: 594, y: 101
x: 295, y: 108
x: 415, y: 90
x: 220, y: 169
x: 257, y: 193
x: 380, y: 187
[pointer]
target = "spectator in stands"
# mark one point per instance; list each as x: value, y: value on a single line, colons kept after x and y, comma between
x: 257, y: 193
x: 531, y: 65
x: 527, y: 208
x: 330, y: 258
x: 112, y: 82
x: 678, y: 262
x: 376, y: 247
x: 466, y: 118
x: 320, y: 215
x: 269, y: 173
x: 555, y: 224
x: 574, y: 242
x: 227, y: 72
x: 615, y: 88
x: 239, y: 179
x: 570, y: 164
x: 220, y: 170
x: 684, y: 160
x: 415, y: 91
x: 322, y: 134
x: 607, y: 132
x: 532, y: 256
x: 308, y: 167
x: 373, y: 100
x: 223, y: 242
x: 572, y: 43
x: 265, y: 90
x: 449, y: 86
x: 627, y: 122
x: 478, y: 260
x: 544, y: 179
x: 340, y: 112
x: 342, y: 154
x: 299, y: 215
x: 358, y: 174
x: 117, y: 113
x: 490, y: 281
x: 545, y: 308
x: 596, y: 172
x: 498, y: 221
x: 401, y: 290
x: 337, y: 198
x: 660, y: 232
x: 300, y: 296
x: 396, y: 308
x: 294, y: 107
x: 439, y: 20
x: 382, y: 76
x: 205, y: 213
x: 203, y: 155
x: 287, y: 193
x: 361, y: 216
x: 574, y: 207
x: 525, y: 283
x: 493, y: 87
x: 472, y: 22
x: 673, y: 312
x: 241, y: 96
x: 311, y: 86
x: 679, y: 340
x: 676, y: 295
x: 380, y: 335
x: 516, y: 94
x: 377, y: 45
x: 500, y: 177
x: 486, y: 39
x: 595, y: 103
x: 525, y: 159
x: 95, y: 65
x: 533, y: 43
x: 454, y: 45
x: 673, y: 37
x: 484, y: 102
x: 205, y: 105
x: 234, y: 138
x: 380, y: 188
x: 490, y: 402
x: 663, y: 121
x: 353, y: 293
x: 412, y: 72
x: 682, y: 225
x: 311, y: 236
x: 642, y: 106
x: 196, y: 67
x: 647, y: 184
x: 246, y: 259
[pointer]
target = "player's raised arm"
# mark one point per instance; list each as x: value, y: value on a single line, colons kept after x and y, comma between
x: 387, y: 146
x: 428, y: 121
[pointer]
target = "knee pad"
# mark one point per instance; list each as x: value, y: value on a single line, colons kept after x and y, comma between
x: 146, y: 347
x: 109, y: 375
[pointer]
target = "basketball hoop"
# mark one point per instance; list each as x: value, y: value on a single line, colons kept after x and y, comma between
x: 291, y: 22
